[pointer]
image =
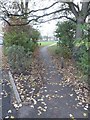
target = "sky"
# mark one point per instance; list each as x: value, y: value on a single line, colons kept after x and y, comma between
x: 47, y: 29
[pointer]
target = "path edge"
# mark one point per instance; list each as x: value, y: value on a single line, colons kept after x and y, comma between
x: 14, y: 88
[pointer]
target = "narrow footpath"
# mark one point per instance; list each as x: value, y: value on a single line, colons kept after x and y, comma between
x: 56, y: 100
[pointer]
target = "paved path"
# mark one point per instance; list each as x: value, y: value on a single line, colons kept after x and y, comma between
x: 58, y: 100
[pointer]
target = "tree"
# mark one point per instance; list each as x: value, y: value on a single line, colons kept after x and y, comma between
x: 65, y: 10
x: 35, y: 35
x: 65, y: 32
x: 20, y: 35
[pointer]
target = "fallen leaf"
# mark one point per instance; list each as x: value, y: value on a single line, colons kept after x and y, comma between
x: 85, y: 108
x: 71, y: 116
x: 7, y: 117
x: 34, y: 101
x: 45, y: 107
x: 56, y: 91
x: 61, y: 96
x: 20, y: 105
x: 84, y: 114
x: 71, y: 95
x: 2, y: 93
x: 32, y: 106
x: 39, y: 112
x: 12, y: 117
x: 9, y: 111
x: 45, y: 90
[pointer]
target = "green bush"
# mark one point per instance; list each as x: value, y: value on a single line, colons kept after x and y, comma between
x: 83, y: 50
x: 18, y: 59
x: 19, y: 43
x: 20, y: 39
x: 63, y: 51
x: 30, y: 45
x: 65, y: 32
x: 83, y: 59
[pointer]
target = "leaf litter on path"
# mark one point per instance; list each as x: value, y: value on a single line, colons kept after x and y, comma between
x: 71, y: 78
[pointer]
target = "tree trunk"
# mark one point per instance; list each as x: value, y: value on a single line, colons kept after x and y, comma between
x: 81, y: 19
x: 79, y: 31
x: 79, y: 35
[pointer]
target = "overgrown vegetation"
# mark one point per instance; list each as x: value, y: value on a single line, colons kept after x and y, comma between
x: 66, y: 33
x: 19, y: 44
x: 63, y: 51
x: 83, y: 47
x: 18, y: 59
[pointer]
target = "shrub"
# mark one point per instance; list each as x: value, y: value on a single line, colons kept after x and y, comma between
x: 19, y: 43
x: 63, y: 51
x: 83, y: 60
x: 20, y: 39
x: 65, y: 32
x: 18, y: 59
x: 24, y: 35
x: 83, y: 49
x: 14, y: 38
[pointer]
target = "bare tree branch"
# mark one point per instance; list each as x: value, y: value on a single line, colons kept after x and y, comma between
x: 51, y: 13
x: 73, y: 9
x: 58, y: 18
x: 88, y: 13
x: 33, y: 15
x: 76, y: 6
x: 32, y: 11
x: 6, y: 21
x: 40, y: 21
x: 36, y: 18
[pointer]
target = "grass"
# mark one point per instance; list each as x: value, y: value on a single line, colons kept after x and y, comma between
x: 46, y: 43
